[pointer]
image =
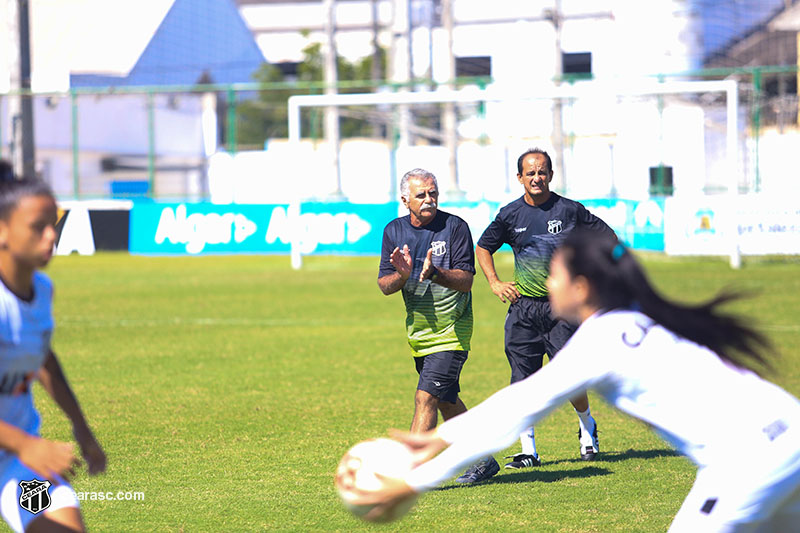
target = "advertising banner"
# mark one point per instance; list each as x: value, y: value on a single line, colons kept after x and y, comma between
x: 640, y: 224
x: 205, y: 228
x: 722, y: 225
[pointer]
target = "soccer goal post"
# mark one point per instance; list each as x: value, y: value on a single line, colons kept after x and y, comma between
x: 584, y: 91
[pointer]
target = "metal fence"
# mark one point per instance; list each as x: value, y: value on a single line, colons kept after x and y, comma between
x: 229, y: 143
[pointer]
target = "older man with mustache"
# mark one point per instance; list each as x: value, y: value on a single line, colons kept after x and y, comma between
x: 429, y: 256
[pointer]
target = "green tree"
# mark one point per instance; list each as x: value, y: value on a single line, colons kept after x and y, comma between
x: 264, y: 116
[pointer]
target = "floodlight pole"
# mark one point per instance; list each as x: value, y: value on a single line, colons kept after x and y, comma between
x: 557, y: 18
x: 331, y: 81
x: 375, y: 68
x: 558, y: 122
x: 21, y: 105
x: 28, y: 151
x: 449, y: 122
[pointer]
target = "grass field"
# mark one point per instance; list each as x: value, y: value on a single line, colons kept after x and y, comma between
x: 227, y: 388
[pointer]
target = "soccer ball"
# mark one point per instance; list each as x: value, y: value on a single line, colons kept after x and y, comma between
x: 358, y: 467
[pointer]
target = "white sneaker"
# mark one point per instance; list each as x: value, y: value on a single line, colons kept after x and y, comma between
x: 590, y: 445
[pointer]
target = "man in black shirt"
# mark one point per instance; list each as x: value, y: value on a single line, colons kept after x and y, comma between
x: 428, y: 254
x: 534, y: 225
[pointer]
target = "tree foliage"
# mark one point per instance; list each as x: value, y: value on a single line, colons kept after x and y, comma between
x: 264, y: 116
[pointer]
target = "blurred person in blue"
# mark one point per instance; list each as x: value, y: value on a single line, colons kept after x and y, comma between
x: 6, y: 171
x: 429, y: 256
x: 34, y: 492
x: 691, y: 372
x: 534, y: 225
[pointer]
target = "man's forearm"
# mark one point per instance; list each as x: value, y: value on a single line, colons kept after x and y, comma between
x: 486, y: 262
x: 456, y: 279
x: 391, y: 283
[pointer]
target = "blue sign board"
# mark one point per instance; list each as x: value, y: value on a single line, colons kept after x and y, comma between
x: 205, y: 228
x: 335, y: 228
x: 640, y: 224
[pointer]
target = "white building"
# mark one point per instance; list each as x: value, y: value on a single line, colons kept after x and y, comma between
x: 610, y: 142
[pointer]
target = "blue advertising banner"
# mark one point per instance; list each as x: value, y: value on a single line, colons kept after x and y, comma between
x: 640, y: 224
x: 336, y: 228
x: 205, y: 228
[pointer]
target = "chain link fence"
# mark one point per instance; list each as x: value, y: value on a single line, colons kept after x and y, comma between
x: 229, y: 143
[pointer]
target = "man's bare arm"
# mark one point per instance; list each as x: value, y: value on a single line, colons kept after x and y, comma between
x: 505, y: 290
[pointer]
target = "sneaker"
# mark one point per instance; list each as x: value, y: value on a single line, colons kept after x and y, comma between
x: 522, y: 460
x: 480, y: 471
x: 590, y: 445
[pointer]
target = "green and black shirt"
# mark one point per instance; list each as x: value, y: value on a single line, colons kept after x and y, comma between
x: 534, y: 233
x: 437, y: 318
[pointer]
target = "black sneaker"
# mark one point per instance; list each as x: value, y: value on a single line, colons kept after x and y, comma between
x: 522, y: 460
x: 591, y: 447
x: 480, y: 471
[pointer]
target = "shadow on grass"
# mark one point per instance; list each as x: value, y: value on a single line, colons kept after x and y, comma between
x: 616, y: 457
x: 591, y: 469
x: 541, y: 476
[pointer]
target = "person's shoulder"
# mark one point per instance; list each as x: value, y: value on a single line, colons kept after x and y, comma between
x: 564, y: 203
x: 619, y: 323
x: 42, y: 282
x: 42, y: 278
x: 599, y: 329
x: 511, y: 207
x: 451, y: 219
x: 398, y: 222
x: 558, y: 199
x: 514, y: 204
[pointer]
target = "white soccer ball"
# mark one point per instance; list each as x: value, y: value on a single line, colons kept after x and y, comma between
x: 357, y: 470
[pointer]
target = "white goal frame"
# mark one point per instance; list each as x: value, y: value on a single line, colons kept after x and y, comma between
x: 584, y: 90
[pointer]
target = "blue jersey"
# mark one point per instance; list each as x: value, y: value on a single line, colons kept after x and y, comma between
x: 25, y: 331
x: 534, y: 233
x: 437, y: 318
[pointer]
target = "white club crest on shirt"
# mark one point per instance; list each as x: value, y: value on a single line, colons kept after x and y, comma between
x: 554, y: 226
x: 438, y: 248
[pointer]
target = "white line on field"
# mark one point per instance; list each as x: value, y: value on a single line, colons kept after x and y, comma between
x: 183, y: 321
x: 264, y: 322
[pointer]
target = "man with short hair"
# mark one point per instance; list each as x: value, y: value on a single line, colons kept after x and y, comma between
x: 429, y: 256
x: 535, y: 225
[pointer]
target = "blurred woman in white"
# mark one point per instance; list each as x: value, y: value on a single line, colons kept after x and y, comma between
x: 689, y: 371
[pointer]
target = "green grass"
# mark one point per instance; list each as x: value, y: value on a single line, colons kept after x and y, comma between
x: 227, y: 388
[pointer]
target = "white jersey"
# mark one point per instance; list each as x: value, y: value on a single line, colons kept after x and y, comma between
x: 690, y: 396
x: 25, y: 332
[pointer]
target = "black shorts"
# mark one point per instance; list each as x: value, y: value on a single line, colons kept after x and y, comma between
x: 530, y: 332
x: 439, y: 373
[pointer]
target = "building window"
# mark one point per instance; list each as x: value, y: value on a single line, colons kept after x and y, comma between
x: 577, y: 63
x: 288, y: 69
x: 473, y: 66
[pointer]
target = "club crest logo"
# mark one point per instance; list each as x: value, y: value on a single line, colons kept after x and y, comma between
x: 438, y: 248
x: 35, y: 496
x: 554, y: 226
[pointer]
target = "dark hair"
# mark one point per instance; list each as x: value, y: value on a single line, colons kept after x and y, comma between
x: 534, y: 151
x: 618, y: 282
x: 11, y: 192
